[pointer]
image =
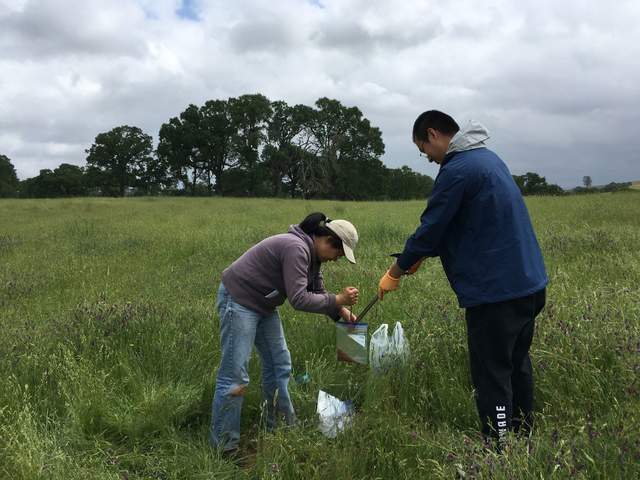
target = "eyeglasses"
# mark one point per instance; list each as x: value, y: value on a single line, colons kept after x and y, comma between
x: 420, y: 150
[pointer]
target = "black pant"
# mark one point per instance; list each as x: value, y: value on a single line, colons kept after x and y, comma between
x: 499, y: 336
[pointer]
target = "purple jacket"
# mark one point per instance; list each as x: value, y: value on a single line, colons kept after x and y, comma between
x: 280, y: 267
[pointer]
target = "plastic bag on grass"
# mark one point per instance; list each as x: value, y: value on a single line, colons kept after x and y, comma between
x: 399, y: 345
x: 379, y: 347
x: 334, y: 414
x: 351, y: 342
x: 386, y: 350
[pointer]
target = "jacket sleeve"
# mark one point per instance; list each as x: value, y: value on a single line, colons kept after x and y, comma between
x: 320, y: 288
x: 444, y: 203
x: 295, y: 267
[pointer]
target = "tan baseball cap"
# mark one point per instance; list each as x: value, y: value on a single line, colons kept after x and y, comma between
x: 348, y: 234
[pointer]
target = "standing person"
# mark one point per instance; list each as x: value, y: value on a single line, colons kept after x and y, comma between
x: 477, y: 223
x: 284, y: 266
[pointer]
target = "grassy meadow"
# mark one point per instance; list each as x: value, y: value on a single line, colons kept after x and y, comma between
x: 109, y: 346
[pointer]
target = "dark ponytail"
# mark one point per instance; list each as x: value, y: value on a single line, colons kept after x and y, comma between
x: 314, y: 224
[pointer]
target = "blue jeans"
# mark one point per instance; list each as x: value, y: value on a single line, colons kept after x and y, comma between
x: 240, y: 329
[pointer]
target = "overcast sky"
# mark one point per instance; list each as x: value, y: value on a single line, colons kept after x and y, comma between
x: 556, y: 82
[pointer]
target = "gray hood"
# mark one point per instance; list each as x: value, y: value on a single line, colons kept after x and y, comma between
x: 298, y: 232
x: 308, y: 239
x: 473, y: 135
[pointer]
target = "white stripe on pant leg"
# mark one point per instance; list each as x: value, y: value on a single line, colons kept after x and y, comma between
x: 501, y: 421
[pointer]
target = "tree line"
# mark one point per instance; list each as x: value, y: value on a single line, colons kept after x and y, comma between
x: 533, y: 184
x: 244, y: 146
x: 247, y: 146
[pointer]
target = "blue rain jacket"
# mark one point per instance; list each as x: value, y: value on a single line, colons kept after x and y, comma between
x: 476, y: 221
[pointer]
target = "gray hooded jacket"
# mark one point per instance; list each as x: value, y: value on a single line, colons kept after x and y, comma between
x: 280, y: 267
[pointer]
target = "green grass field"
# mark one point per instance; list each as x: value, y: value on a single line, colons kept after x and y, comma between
x: 108, y: 346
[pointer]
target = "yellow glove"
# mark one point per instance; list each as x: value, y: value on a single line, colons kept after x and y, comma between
x: 414, y: 268
x: 387, y: 284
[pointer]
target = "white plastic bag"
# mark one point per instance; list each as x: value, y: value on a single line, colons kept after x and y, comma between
x: 379, y: 347
x: 399, y: 345
x: 386, y: 351
x: 334, y: 414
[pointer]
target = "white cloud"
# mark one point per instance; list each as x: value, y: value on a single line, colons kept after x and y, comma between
x: 554, y: 81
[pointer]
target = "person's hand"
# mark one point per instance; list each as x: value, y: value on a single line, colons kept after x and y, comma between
x: 414, y: 268
x: 347, y: 315
x: 348, y: 296
x: 387, y: 283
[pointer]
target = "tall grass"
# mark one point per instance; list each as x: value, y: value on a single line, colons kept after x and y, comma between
x: 108, y: 347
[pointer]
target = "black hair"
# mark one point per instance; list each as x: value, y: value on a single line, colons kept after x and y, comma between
x: 433, y: 119
x: 315, y: 223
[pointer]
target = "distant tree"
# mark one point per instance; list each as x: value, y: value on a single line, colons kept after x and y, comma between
x: 553, y: 189
x: 94, y: 179
x: 182, y: 147
x: 218, y: 132
x: 236, y: 182
x: 65, y: 181
x: 303, y: 169
x: 249, y: 146
x: 283, y: 156
x: 348, y: 149
x: 8, y: 178
x: 120, y: 155
x: 403, y: 184
x: 616, y: 187
x: 250, y: 115
x: 41, y: 186
x: 586, y: 181
x: 68, y: 180
x: 533, y: 184
x: 610, y: 187
x: 199, y: 145
x: 152, y: 176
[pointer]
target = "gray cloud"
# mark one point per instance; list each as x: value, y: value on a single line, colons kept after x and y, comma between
x: 553, y: 81
x: 261, y: 35
x: 44, y: 28
x: 353, y: 35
